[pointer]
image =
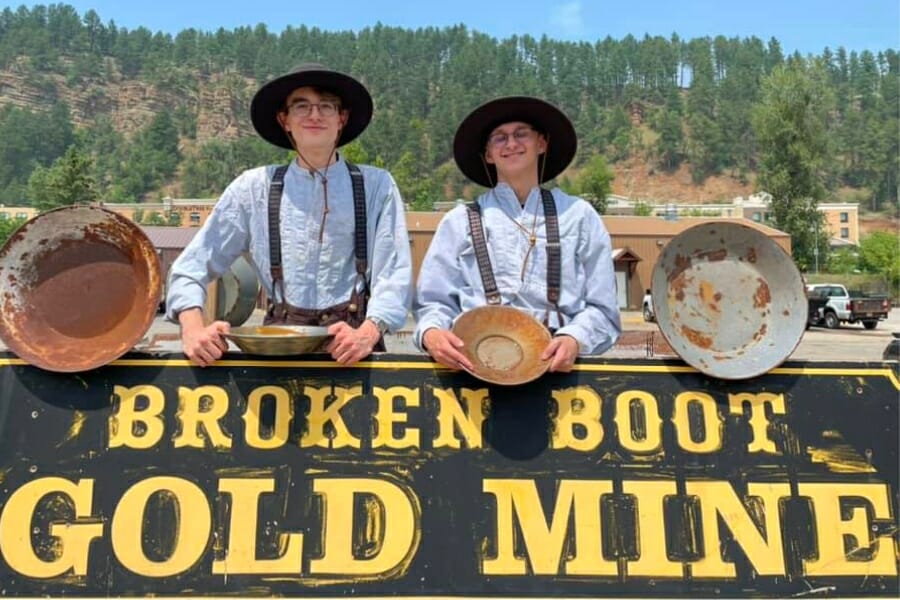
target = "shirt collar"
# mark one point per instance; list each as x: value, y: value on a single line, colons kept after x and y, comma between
x: 333, y: 168
x: 506, y: 197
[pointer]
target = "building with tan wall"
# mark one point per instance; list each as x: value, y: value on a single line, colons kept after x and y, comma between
x: 841, y: 218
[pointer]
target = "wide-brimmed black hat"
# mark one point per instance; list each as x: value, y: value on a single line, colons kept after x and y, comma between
x: 270, y: 99
x: 471, y: 136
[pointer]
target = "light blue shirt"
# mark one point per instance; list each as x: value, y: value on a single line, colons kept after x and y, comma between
x: 450, y: 283
x: 316, y: 275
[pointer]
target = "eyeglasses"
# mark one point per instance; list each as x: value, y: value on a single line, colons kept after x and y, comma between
x: 499, y: 139
x: 302, y: 108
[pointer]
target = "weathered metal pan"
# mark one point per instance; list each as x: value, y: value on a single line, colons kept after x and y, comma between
x: 79, y: 286
x: 504, y: 344
x: 279, y: 340
x: 236, y: 293
x: 729, y: 300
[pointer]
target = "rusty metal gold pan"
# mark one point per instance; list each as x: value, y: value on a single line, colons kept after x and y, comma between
x: 79, y: 286
x: 729, y: 300
x: 504, y: 344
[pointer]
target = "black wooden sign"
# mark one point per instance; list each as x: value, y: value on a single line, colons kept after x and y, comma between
x: 396, y: 478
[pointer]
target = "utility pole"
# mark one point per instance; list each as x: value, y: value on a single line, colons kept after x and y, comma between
x: 816, y: 247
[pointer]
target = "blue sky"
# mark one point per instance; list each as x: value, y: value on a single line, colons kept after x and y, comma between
x: 804, y: 25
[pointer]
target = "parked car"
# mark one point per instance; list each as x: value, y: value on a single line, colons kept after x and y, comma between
x: 843, y: 306
x: 647, y: 307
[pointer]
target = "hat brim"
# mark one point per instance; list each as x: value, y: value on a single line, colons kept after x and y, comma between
x: 471, y: 136
x: 270, y: 99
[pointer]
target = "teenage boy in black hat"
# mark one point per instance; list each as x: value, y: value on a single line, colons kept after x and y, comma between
x: 328, y: 239
x: 548, y: 253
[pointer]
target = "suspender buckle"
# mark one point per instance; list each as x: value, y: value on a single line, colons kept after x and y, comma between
x: 493, y: 298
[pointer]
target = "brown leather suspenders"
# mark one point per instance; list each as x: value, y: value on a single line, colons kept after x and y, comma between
x: 354, y: 310
x: 554, y: 258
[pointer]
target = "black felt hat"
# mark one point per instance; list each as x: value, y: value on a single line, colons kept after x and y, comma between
x: 471, y: 136
x: 270, y: 99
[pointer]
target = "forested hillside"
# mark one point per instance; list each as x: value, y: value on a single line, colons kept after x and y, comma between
x: 142, y: 114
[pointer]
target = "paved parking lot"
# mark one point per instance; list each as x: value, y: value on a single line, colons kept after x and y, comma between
x: 849, y: 342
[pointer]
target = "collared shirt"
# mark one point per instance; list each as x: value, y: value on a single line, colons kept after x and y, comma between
x: 449, y: 281
x: 316, y: 275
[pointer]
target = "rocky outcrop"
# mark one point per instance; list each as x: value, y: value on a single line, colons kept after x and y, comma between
x: 220, y: 102
x: 224, y: 107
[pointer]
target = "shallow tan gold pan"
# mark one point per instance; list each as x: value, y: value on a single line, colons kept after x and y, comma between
x: 279, y: 340
x: 504, y: 344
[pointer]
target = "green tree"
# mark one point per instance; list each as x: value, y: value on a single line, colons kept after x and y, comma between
x: 7, y: 227
x: 879, y: 252
x: 66, y: 182
x: 154, y: 218
x: 594, y: 183
x: 843, y: 260
x: 704, y: 147
x: 669, y: 143
x: 643, y: 209
x: 27, y: 140
x: 791, y: 125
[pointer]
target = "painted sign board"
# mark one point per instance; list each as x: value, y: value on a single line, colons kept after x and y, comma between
x: 397, y: 478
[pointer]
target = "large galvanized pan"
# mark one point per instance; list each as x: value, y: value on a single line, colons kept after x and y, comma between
x: 729, y: 300
x: 79, y: 286
x: 237, y: 292
x: 503, y: 343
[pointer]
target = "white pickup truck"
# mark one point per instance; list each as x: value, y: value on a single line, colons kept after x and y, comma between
x: 846, y: 307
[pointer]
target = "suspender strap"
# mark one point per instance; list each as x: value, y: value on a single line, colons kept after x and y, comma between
x: 554, y: 269
x: 276, y: 188
x: 554, y: 260
x: 481, y: 254
x: 360, y: 250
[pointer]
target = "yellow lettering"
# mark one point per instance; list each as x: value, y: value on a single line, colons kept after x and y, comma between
x: 651, y: 527
x: 389, y: 549
x: 75, y: 538
x: 649, y: 428
x: 201, y: 407
x: 451, y: 418
x: 284, y: 414
x: 712, y: 423
x: 241, y: 556
x: 717, y: 498
x: 577, y: 406
x: 841, y: 540
x: 319, y: 416
x: 193, y: 523
x: 385, y: 418
x: 759, y: 423
x: 133, y: 428
x: 544, y: 544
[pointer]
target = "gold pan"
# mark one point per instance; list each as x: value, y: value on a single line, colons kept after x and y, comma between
x: 79, y: 286
x: 279, y: 340
x: 504, y: 344
x: 729, y: 300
